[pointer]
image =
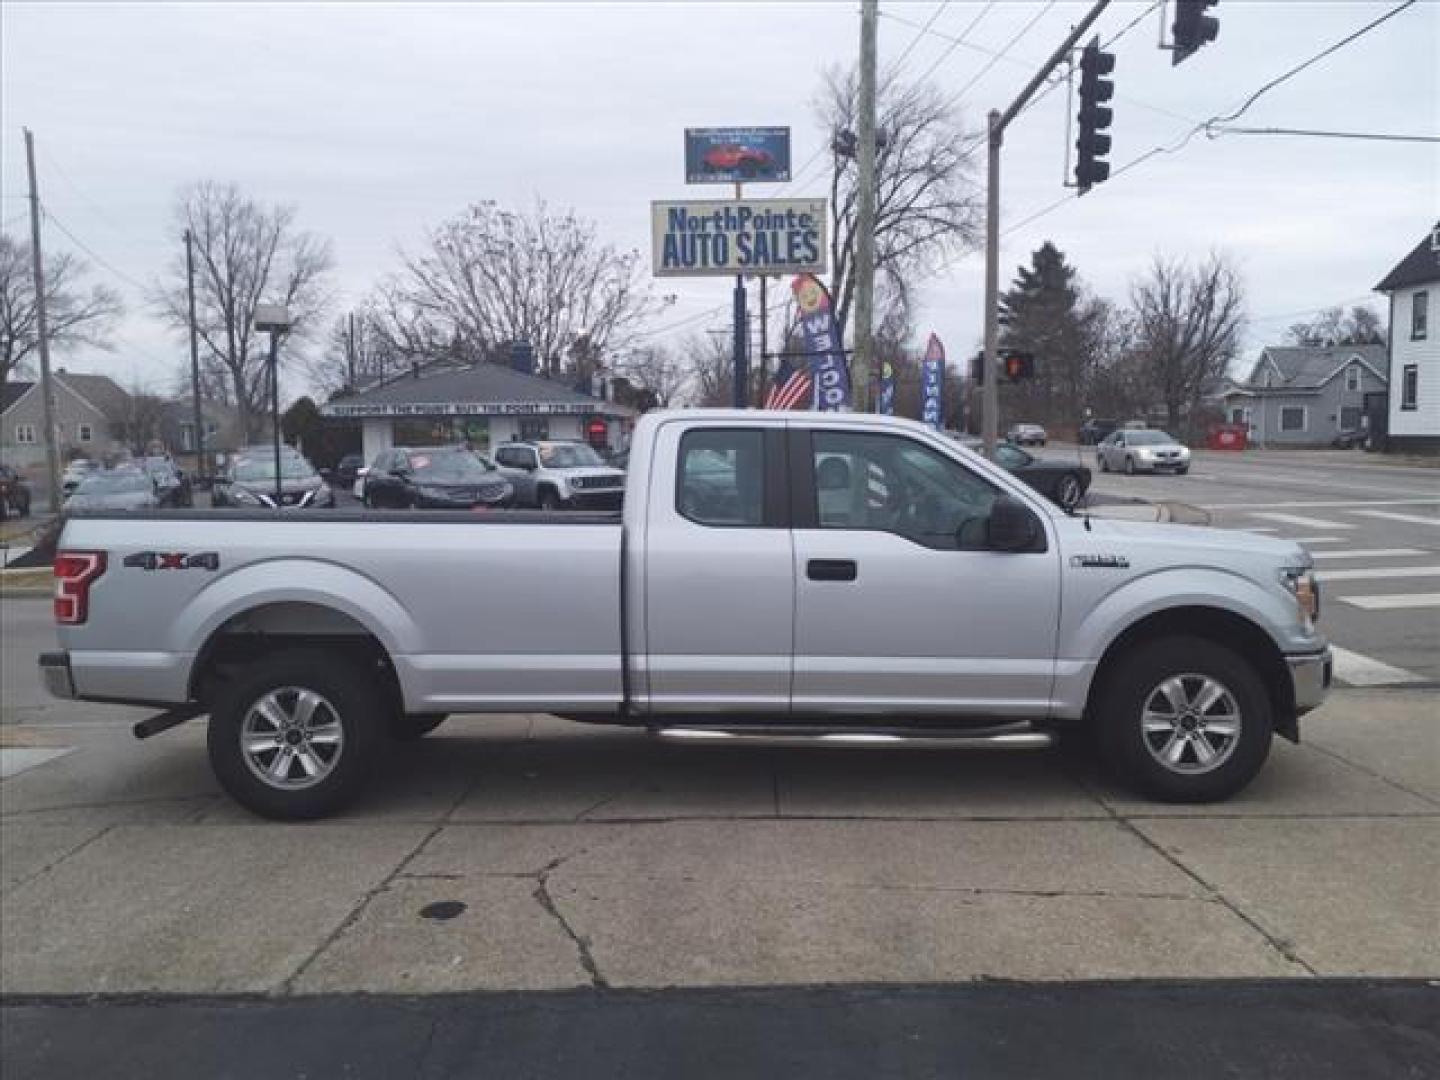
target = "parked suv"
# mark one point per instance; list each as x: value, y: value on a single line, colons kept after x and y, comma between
x: 556, y: 474
x: 249, y: 483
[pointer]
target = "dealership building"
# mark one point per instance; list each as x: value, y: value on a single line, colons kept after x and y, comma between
x: 486, y: 404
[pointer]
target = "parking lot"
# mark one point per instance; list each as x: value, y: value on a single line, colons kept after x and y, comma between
x: 520, y: 854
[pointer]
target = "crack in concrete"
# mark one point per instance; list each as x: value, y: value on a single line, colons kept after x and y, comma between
x: 1337, y: 756
x: 287, y: 987
x: 1285, y: 948
x: 70, y: 854
x: 582, y: 944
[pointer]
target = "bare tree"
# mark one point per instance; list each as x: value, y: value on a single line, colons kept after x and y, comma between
x: 491, y: 276
x: 246, y: 254
x: 361, y: 350
x: 77, y: 315
x: 658, y: 369
x: 1361, y: 325
x: 710, y: 360
x: 142, y: 417
x: 1188, y: 320
x: 926, y: 207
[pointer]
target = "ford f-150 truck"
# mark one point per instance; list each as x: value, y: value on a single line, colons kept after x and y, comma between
x: 781, y: 577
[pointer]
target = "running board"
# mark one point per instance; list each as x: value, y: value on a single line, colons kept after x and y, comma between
x: 862, y: 740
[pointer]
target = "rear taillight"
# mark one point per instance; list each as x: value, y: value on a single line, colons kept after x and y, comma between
x: 75, y: 572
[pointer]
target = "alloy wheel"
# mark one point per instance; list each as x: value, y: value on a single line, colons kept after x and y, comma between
x: 291, y: 738
x: 1190, y: 723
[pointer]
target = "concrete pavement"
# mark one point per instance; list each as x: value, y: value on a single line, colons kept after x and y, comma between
x: 525, y: 853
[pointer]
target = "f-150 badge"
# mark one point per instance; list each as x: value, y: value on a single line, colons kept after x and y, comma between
x: 1110, y: 562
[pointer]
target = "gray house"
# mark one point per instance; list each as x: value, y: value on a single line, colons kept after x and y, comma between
x: 90, y: 413
x: 1306, y: 395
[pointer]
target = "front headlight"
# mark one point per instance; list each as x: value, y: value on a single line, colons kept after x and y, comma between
x: 1300, y: 582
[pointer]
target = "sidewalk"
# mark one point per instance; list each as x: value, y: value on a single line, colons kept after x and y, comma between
x: 524, y: 853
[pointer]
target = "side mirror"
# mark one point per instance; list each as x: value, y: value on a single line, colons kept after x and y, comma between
x: 1012, y: 526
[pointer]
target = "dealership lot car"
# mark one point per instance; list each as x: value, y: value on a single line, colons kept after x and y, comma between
x: 1132, y: 450
x: 127, y: 488
x: 561, y: 475
x: 435, y: 478
x: 249, y: 483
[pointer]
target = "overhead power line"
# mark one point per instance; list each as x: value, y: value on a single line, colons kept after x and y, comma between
x: 1001, y: 55
x: 1214, y: 130
x: 920, y: 34
x: 1187, y: 136
x: 100, y: 259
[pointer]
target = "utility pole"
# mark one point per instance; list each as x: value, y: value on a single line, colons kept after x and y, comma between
x: 42, y: 327
x: 998, y: 121
x: 865, y: 216
x: 350, y: 352
x: 194, y: 356
x: 740, y: 392
x: 764, y: 342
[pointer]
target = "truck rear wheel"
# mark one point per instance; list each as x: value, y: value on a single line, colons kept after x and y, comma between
x: 295, y: 735
x: 1184, y: 720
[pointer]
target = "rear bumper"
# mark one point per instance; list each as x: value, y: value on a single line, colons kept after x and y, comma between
x: 1310, y: 676
x: 128, y: 678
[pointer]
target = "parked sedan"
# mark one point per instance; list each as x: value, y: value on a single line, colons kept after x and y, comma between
x: 115, y: 489
x: 250, y: 483
x: 14, y: 493
x: 1026, y: 435
x: 1131, y: 451
x: 436, y: 478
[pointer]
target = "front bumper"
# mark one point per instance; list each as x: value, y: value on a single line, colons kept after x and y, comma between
x: 1310, y: 676
x: 596, y: 500
x: 55, y: 671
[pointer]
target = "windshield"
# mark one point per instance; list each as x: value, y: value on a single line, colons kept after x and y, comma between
x: 109, y: 483
x: 568, y: 456
x: 448, y: 467
x: 1147, y: 438
x: 1010, y: 456
x: 291, y: 468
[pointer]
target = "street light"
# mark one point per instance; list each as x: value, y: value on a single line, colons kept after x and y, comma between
x: 274, y: 319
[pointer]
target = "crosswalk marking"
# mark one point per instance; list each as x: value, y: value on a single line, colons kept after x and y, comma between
x: 1376, y: 572
x: 1358, y: 670
x: 1411, y: 519
x: 1393, y: 601
x: 1371, y: 553
x: 1297, y: 519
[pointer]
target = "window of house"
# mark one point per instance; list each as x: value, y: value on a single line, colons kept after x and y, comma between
x: 1352, y: 378
x: 1292, y: 418
x: 84, y: 432
x: 25, y: 434
x: 1410, y: 388
x: 534, y: 429
x: 722, y: 477
x: 1419, y: 315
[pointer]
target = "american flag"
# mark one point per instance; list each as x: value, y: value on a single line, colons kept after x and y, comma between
x: 791, y: 388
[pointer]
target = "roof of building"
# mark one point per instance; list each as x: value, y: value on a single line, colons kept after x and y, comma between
x: 99, y: 390
x: 11, y: 392
x: 1420, y: 266
x: 477, y: 386
x: 1309, y: 367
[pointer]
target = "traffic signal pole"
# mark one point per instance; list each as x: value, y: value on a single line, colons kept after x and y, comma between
x: 998, y: 121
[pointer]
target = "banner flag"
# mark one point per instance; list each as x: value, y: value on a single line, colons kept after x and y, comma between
x: 822, y: 344
x: 932, y: 382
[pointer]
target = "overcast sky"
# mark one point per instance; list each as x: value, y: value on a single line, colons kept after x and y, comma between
x: 377, y: 120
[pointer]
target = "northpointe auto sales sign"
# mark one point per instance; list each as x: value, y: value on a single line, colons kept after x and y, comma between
x: 749, y: 236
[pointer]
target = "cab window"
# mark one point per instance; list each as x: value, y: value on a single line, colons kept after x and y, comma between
x: 721, y: 477
x: 888, y: 483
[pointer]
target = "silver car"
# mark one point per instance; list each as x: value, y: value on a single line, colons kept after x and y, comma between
x: 1133, y: 451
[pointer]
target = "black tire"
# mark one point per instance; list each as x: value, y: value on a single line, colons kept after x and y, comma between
x: 1182, y: 470
x: 1069, y: 491
x: 1129, y: 466
x: 1136, y: 686
x: 1104, y: 465
x: 350, y: 701
x: 548, y: 499
x: 411, y: 727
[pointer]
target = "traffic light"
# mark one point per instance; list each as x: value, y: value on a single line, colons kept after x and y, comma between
x: 1094, y: 142
x: 1192, y: 28
x: 1017, y: 365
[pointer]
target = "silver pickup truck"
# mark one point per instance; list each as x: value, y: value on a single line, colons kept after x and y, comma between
x: 781, y: 577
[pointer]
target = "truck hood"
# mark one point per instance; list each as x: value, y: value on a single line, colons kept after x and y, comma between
x: 1198, y: 539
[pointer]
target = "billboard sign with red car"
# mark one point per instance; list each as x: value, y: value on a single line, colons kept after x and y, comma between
x: 737, y: 155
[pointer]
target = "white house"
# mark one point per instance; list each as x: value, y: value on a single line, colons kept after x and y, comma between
x: 1414, y: 291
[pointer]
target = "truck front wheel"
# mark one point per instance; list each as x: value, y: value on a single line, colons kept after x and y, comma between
x: 295, y: 735
x: 1184, y: 720
x: 408, y: 727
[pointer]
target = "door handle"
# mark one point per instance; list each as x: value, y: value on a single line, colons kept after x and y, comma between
x: 831, y: 570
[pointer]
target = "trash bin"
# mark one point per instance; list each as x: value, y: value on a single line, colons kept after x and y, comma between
x: 1227, y: 437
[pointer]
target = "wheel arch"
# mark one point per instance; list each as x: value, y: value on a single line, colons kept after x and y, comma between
x: 1226, y: 628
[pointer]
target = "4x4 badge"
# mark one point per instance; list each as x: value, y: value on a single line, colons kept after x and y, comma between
x: 173, y: 560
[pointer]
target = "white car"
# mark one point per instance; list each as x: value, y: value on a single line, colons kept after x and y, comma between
x: 1026, y: 435
x: 1133, y: 451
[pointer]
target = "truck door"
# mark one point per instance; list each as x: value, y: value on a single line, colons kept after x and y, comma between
x: 900, y: 608
x: 719, y: 571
